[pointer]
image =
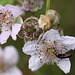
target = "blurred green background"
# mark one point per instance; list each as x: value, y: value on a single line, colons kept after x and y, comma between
x: 66, y: 9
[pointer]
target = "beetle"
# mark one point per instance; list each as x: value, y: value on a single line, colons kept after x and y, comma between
x: 63, y: 56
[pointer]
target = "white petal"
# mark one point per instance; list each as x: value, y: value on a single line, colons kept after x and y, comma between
x: 51, y: 35
x: 65, y: 65
x: 35, y: 63
x: 11, y: 55
x: 14, y: 10
x: 69, y: 42
x: 15, y: 29
x: 12, y: 71
x: 4, y: 36
x: 30, y: 47
x: 1, y: 7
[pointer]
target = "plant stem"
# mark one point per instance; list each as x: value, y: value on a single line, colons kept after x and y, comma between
x: 47, y: 5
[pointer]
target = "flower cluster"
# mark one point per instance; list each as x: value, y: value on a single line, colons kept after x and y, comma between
x: 51, y: 47
x: 47, y: 50
x: 10, y: 24
x: 43, y: 37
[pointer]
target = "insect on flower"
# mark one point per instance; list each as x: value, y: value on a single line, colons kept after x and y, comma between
x: 63, y: 56
x: 51, y: 49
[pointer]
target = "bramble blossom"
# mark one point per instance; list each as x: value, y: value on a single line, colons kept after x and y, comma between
x: 46, y: 50
x: 32, y: 5
x: 8, y: 60
x: 7, y: 26
x: 30, y: 29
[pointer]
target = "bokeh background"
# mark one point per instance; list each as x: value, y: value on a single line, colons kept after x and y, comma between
x: 66, y: 9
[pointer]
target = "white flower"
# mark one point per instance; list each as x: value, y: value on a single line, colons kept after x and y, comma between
x: 7, y: 26
x: 32, y: 5
x: 8, y: 60
x: 47, y: 50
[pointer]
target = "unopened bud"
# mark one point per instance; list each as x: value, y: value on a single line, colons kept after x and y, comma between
x: 44, y: 22
x: 54, y: 16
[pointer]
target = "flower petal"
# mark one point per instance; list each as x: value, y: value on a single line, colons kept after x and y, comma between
x: 4, y: 36
x: 35, y: 63
x: 14, y: 10
x: 12, y: 71
x: 1, y: 7
x: 15, y: 29
x: 69, y: 42
x: 51, y: 35
x: 30, y: 47
x: 11, y: 55
x: 65, y: 65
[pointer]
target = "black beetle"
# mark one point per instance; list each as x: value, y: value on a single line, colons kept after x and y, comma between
x: 62, y: 56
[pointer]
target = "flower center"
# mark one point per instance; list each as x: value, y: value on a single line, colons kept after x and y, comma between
x: 49, y: 51
x: 3, y: 65
x: 30, y: 29
x: 6, y: 19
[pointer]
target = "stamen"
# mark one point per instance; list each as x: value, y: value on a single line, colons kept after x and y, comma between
x: 50, y: 51
x: 31, y: 28
x: 6, y: 19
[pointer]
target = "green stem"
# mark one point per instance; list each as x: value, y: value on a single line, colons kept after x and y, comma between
x: 47, y: 5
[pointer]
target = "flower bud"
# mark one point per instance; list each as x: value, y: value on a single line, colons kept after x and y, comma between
x: 44, y: 22
x: 54, y: 16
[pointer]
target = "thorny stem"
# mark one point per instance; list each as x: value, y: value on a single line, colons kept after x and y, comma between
x: 47, y: 5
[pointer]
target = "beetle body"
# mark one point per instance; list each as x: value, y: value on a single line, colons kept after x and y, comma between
x: 62, y: 56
